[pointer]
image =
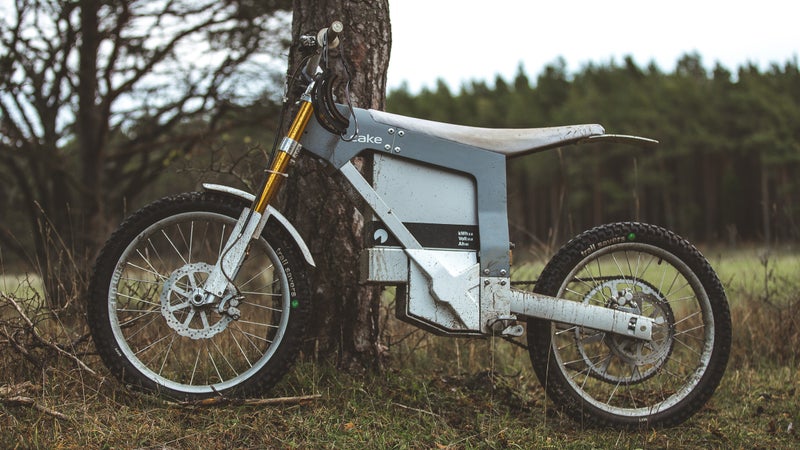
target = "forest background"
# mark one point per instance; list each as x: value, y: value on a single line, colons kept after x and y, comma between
x: 725, y: 171
x: 81, y: 147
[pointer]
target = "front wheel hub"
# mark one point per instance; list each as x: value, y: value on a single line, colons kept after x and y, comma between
x: 184, y: 306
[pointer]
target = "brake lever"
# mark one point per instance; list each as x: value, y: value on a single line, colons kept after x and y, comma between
x: 307, y: 41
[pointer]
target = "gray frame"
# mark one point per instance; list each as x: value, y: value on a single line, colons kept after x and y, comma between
x: 463, y: 150
x: 486, y: 167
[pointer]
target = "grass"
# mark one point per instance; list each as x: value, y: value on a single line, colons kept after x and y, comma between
x: 768, y: 275
x: 762, y: 288
x: 436, y: 393
x: 401, y: 408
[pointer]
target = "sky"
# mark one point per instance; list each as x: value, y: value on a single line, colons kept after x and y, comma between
x: 461, y: 41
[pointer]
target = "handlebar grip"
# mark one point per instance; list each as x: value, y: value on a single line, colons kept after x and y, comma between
x: 330, y: 36
x: 326, y: 37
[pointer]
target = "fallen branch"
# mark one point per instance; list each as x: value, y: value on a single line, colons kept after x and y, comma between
x: 27, y: 401
x: 416, y: 409
x: 44, y: 341
x: 20, y: 348
x: 14, y: 395
x: 225, y: 401
x: 12, y: 390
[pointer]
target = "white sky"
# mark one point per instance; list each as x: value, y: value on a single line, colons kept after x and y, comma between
x: 460, y: 41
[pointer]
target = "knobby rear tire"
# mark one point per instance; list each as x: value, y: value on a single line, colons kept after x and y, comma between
x: 152, y: 338
x: 607, y: 380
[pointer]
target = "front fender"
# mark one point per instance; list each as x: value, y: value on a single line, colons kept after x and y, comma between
x: 273, y: 214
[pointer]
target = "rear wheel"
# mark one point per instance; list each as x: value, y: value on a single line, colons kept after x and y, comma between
x: 609, y: 379
x: 147, y: 313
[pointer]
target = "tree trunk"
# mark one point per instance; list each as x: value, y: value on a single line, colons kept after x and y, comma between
x: 766, y: 222
x: 346, y: 314
x: 92, y: 127
x: 69, y: 226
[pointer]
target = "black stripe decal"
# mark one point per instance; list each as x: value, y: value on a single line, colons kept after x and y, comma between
x: 429, y: 235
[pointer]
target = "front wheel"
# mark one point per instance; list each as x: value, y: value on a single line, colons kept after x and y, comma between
x: 146, y: 313
x: 612, y: 380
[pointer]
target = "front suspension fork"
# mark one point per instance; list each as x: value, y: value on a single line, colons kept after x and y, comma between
x: 287, y: 151
x: 253, y: 219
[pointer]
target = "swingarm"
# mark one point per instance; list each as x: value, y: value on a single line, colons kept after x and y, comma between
x: 582, y: 314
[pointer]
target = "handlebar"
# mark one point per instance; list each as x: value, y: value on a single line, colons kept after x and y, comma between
x: 326, y: 38
x: 330, y: 35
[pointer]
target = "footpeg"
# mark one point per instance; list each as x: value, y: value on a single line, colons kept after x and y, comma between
x: 508, y: 326
x: 513, y: 331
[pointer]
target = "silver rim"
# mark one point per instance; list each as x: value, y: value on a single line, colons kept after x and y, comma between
x: 181, y: 346
x: 622, y: 376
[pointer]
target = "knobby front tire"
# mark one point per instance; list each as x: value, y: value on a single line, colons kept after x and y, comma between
x: 610, y: 380
x: 152, y: 337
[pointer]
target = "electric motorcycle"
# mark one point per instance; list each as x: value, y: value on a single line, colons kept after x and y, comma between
x: 208, y: 293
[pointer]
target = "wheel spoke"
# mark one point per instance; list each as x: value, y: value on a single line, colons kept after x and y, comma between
x: 266, y: 325
x: 142, y: 312
x: 224, y: 358
x: 214, y: 364
x: 138, y: 299
x: 172, y: 244
x: 221, y: 241
x: 241, y: 349
x: 593, y: 338
x: 251, y: 336
x: 152, y: 270
x: 251, y: 279
x: 166, y: 354
x: 130, y: 322
x: 153, y: 344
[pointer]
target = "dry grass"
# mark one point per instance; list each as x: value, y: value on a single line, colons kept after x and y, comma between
x: 764, y: 292
x: 436, y: 393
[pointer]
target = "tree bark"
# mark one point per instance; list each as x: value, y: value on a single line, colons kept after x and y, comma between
x: 345, y: 314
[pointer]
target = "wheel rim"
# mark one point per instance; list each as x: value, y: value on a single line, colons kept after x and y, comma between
x: 193, y: 348
x: 622, y: 376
